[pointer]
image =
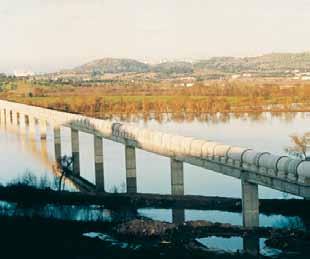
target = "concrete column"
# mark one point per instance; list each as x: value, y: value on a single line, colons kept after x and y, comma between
x: 18, y: 118
x: 7, y: 116
x: 27, y: 121
x: 2, y: 115
x: 32, y: 127
x: 11, y: 116
x: 22, y: 123
x: 44, y: 152
x: 177, y: 188
x: 43, y: 129
x: 178, y: 216
x: 177, y: 177
x: 75, y: 151
x: 131, y: 172
x: 14, y: 118
x: 57, y: 144
x: 250, y: 204
x: 251, y: 245
x: 99, y: 163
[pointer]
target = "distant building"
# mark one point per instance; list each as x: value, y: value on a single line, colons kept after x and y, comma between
x: 302, y: 76
x: 235, y: 76
x: 23, y: 73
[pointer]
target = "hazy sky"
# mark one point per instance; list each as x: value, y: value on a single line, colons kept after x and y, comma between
x: 50, y: 34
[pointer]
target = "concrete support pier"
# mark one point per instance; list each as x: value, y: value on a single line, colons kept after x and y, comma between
x: 177, y: 177
x: 75, y: 151
x: 131, y: 172
x: 250, y: 204
x: 32, y: 124
x: 57, y: 144
x: 178, y: 216
x: 99, y: 163
x: 251, y: 245
x: 43, y: 129
x: 18, y: 118
x: 2, y: 116
x: 44, y: 151
x: 11, y: 116
x: 7, y: 116
x: 22, y: 124
x: 177, y: 188
x: 14, y: 118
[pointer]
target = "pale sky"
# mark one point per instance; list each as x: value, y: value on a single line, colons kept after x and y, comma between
x: 47, y: 35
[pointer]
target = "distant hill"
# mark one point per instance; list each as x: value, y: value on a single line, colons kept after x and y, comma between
x: 266, y: 63
x: 177, y: 67
x: 273, y: 64
x: 112, y: 65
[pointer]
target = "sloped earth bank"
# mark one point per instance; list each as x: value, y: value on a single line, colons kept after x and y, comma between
x: 23, y: 237
x: 31, y: 195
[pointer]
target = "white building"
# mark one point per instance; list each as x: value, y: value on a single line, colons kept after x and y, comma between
x: 23, y: 73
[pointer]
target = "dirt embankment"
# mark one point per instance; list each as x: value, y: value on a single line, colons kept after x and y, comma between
x: 30, y: 195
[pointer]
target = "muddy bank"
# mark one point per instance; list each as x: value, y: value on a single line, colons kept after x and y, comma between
x: 287, y: 240
x: 148, y: 229
x: 42, y: 238
x: 23, y: 237
x: 31, y: 195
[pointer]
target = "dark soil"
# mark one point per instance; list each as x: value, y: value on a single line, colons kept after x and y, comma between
x: 41, y: 238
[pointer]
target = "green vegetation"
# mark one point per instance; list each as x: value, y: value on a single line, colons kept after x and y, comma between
x: 7, y: 83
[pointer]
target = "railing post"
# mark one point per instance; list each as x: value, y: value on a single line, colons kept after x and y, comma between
x: 75, y: 151
x: 250, y: 204
x: 131, y: 174
x: 177, y: 188
x: 57, y: 144
x: 99, y: 163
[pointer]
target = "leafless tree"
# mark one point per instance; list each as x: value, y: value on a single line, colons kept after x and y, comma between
x: 300, y: 146
x: 65, y: 169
